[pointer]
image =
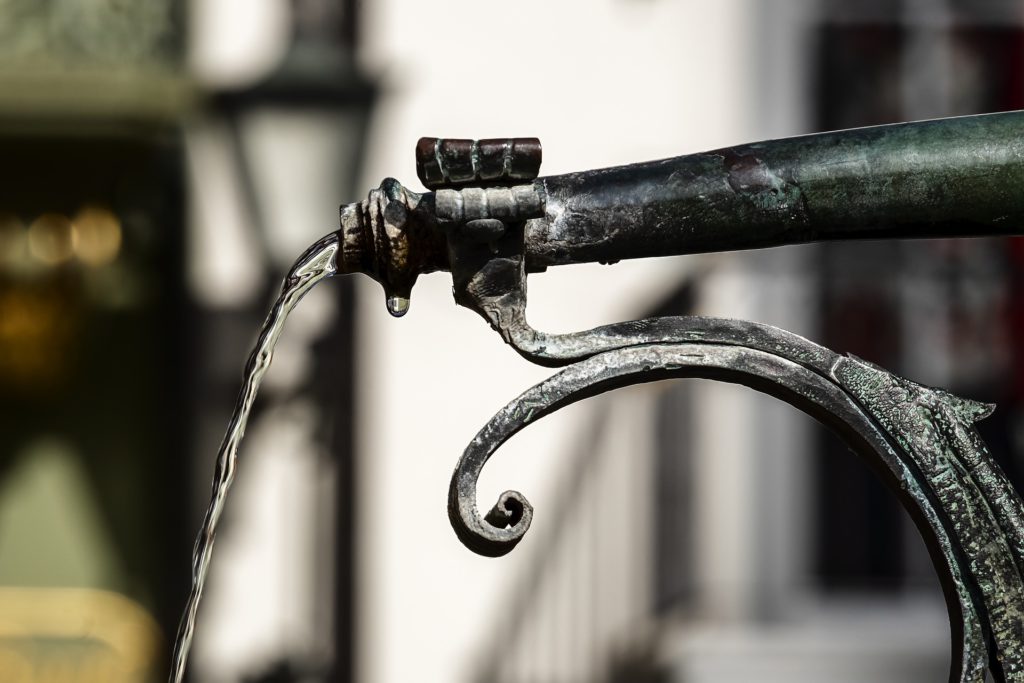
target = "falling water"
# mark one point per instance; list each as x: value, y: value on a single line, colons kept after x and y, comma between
x: 315, y: 265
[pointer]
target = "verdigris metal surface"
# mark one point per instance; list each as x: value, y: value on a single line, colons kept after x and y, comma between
x: 948, y: 177
x: 490, y: 224
x: 920, y: 440
x: 959, y: 176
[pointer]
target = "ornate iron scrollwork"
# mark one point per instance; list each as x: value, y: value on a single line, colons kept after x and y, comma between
x: 491, y: 223
x: 920, y: 440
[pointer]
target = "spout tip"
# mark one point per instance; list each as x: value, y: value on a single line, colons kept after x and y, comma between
x: 389, y: 237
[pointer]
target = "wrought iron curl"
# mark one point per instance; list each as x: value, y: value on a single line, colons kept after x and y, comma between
x: 920, y: 440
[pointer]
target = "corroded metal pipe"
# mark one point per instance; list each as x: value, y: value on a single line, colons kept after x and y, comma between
x: 948, y: 177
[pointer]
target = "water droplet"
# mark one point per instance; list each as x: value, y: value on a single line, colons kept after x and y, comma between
x: 398, y: 306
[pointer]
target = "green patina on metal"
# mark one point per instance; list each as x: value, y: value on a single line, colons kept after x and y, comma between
x: 935, y: 428
x: 909, y: 434
x: 948, y: 177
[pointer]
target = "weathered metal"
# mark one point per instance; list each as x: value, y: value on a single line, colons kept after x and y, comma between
x: 444, y: 163
x: 953, y: 177
x: 948, y: 177
x: 958, y: 176
x: 920, y: 440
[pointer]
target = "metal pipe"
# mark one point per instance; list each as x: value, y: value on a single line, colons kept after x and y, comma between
x: 942, y: 178
x: 948, y: 177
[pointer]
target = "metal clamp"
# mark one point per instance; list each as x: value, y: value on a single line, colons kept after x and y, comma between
x: 481, y: 185
x: 453, y: 163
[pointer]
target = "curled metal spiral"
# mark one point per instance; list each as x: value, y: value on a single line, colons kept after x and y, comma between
x: 920, y: 440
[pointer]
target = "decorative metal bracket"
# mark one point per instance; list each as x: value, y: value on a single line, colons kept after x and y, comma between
x: 491, y: 223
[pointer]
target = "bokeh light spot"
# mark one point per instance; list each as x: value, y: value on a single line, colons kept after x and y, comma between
x: 13, y: 242
x: 51, y: 239
x: 97, y: 235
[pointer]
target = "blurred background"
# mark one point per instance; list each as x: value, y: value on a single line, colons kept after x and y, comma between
x: 161, y: 165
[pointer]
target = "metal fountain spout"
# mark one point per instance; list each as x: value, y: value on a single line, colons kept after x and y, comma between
x: 490, y: 220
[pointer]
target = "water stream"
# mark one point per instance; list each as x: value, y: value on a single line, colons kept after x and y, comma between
x: 316, y: 264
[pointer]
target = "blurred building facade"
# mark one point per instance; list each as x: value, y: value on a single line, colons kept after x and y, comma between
x: 138, y: 175
x: 92, y: 310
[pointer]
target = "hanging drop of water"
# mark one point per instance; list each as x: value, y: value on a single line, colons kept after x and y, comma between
x: 398, y: 306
